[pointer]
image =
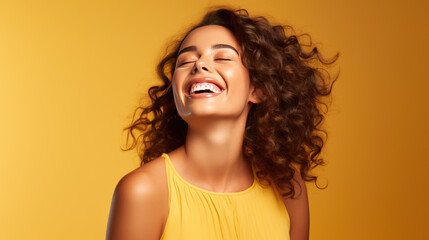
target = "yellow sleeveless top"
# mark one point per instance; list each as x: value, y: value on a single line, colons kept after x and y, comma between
x: 195, y: 213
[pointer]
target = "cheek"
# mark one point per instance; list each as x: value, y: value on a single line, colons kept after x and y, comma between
x: 176, y: 80
x: 178, y: 98
x: 175, y: 84
x: 238, y: 77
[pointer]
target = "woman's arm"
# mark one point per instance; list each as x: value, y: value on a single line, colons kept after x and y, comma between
x: 298, y: 210
x: 136, y: 210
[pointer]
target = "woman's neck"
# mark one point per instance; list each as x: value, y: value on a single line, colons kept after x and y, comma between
x: 213, y: 154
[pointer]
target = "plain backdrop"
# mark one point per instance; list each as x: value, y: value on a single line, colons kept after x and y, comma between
x: 72, y: 73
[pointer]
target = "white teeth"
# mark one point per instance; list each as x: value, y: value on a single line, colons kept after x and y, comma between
x: 203, y: 86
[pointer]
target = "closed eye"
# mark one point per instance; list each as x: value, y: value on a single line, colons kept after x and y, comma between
x: 223, y: 59
x: 183, y: 63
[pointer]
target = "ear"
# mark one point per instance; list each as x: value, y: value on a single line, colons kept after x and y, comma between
x: 255, y: 95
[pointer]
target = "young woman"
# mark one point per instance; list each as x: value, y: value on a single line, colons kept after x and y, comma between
x: 229, y: 139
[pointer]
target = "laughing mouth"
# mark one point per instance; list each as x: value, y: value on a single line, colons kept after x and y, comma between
x: 204, y: 87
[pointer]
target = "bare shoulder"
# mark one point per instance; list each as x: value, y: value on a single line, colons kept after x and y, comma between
x: 146, y: 178
x: 140, y: 203
x: 298, y: 210
x: 145, y: 182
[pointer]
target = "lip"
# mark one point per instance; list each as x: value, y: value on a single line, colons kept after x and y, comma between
x: 203, y: 95
x: 202, y: 80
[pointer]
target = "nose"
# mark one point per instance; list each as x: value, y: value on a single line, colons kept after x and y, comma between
x: 201, y: 66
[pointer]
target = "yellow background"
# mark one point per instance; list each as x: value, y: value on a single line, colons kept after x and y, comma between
x: 72, y: 72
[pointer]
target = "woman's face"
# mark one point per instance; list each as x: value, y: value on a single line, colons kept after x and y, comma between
x: 210, y: 78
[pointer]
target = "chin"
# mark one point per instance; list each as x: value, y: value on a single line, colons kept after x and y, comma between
x: 203, y: 114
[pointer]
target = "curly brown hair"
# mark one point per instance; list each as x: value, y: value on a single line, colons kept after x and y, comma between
x: 283, y: 132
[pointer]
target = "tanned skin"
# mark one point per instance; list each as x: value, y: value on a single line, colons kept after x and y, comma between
x: 212, y: 156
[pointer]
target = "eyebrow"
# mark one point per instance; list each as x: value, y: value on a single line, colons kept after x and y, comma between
x: 216, y: 46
